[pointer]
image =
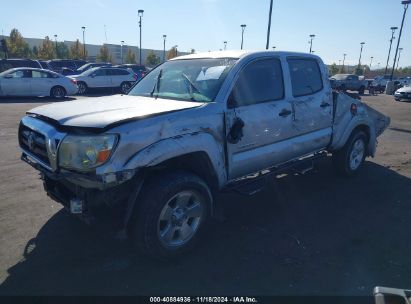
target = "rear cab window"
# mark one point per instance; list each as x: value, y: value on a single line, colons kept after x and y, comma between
x: 305, y: 74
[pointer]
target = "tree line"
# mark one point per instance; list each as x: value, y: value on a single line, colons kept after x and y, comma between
x: 16, y: 47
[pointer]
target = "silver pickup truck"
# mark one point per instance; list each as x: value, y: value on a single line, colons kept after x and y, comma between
x: 194, y: 126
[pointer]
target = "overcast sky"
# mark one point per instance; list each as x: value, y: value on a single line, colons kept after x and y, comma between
x: 339, y: 25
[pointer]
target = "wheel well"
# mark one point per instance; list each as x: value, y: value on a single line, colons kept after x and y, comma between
x: 197, y: 163
x: 364, y: 128
x: 57, y: 86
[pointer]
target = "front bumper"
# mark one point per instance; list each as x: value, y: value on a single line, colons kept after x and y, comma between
x: 90, y: 181
x: 402, y: 96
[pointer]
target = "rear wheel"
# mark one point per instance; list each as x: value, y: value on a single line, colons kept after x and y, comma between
x: 173, y: 213
x: 348, y: 160
x: 58, y: 92
x: 125, y: 87
x: 361, y: 91
x: 82, y: 88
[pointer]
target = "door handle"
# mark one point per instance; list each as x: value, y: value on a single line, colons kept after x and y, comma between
x: 284, y: 113
x: 324, y: 105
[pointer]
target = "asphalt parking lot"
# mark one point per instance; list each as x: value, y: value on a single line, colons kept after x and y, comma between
x: 315, y: 234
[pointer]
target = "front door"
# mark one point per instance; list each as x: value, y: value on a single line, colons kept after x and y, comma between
x: 17, y: 83
x: 259, y: 120
x: 99, y: 79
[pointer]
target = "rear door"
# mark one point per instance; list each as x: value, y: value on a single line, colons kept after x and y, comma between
x: 18, y: 84
x: 312, y: 102
x: 265, y: 111
x: 41, y: 83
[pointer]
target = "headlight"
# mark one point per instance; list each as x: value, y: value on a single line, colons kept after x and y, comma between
x: 85, y: 152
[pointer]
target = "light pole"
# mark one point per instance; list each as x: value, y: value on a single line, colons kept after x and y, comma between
x: 269, y: 25
x: 405, y: 3
x: 339, y: 63
x: 55, y: 39
x: 393, y: 29
x: 164, y: 47
x: 225, y: 45
x: 399, y: 56
x: 122, y: 43
x: 243, y: 26
x: 371, y: 62
x: 359, y: 60
x: 175, y: 47
x: 140, y: 14
x: 343, y: 62
x: 84, y: 42
x: 311, y: 43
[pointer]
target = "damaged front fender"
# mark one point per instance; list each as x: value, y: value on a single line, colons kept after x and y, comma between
x: 181, y: 145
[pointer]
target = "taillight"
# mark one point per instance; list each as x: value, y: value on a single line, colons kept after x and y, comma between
x: 135, y: 76
x: 73, y: 81
x: 142, y: 75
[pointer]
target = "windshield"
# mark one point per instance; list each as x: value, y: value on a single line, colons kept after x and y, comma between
x: 188, y: 80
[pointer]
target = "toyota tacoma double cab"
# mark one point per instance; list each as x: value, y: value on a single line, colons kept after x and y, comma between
x: 194, y: 126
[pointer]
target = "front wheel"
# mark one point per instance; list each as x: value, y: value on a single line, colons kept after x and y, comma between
x: 82, y: 88
x: 172, y: 215
x: 348, y: 160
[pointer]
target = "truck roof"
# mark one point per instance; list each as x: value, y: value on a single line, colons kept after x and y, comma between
x: 239, y: 54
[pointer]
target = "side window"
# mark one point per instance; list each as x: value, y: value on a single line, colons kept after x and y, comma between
x: 39, y: 74
x: 21, y: 74
x: 122, y: 72
x: 101, y: 72
x: 305, y: 76
x: 260, y: 81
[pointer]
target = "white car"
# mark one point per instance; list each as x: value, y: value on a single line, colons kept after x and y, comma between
x: 403, y: 93
x: 36, y: 82
x: 105, y: 77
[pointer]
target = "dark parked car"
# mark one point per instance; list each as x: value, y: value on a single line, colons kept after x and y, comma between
x: 59, y: 65
x: 86, y: 67
x: 7, y: 64
x: 139, y: 70
x: 44, y: 65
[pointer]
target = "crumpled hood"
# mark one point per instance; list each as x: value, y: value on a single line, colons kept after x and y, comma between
x: 101, y: 112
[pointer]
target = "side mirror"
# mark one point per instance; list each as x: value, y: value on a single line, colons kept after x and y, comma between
x: 232, y: 102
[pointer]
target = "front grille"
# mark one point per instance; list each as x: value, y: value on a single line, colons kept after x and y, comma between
x: 33, y: 142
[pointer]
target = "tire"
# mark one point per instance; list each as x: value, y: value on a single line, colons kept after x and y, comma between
x: 349, y: 159
x: 82, y: 88
x: 397, y: 99
x: 361, y: 91
x: 125, y: 87
x: 161, y: 223
x: 58, y: 92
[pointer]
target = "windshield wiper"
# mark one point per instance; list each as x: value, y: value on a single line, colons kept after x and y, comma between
x: 192, y: 86
x: 157, y: 85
